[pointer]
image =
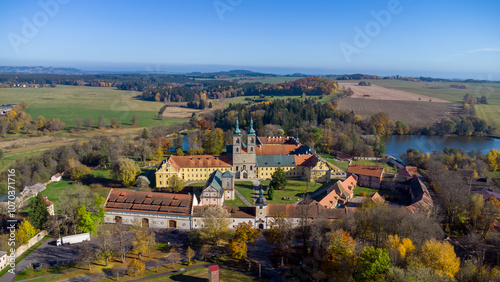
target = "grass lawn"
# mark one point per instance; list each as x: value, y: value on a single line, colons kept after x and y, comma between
x: 68, y: 103
x: 295, y: 189
x: 55, y: 189
x: 342, y: 165
x: 246, y: 190
x: 368, y: 191
x: 237, y: 202
x: 201, y: 274
x: 490, y: 113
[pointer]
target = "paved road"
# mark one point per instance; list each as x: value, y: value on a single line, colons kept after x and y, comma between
x: 260, y: 253
x: 245, y: 201
x: 48, y: 254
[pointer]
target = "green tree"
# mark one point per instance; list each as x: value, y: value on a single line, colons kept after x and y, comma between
x: 38, y: 213
x: 92, y: 217
x: 79, y: 172
x: 372, y: 264
x: 270, y: 193
x: 278, y: 179
x: 126, y: 170
x: 176, y: 184
x: 134, y: 120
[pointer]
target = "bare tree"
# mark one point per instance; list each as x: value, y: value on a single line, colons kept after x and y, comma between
x: 86, y: 254
x: 122, y: 241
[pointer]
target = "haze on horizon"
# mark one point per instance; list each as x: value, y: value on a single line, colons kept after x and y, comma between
x: 449, y: 39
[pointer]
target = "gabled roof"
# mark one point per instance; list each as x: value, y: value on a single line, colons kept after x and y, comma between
x: 266, y: 149
x: 350, y: 182
x: 149, y: 202
x: 234, y: 212
x: 275, y: 160
x: 365, y: 170
x: 227, y: 174
x: 376, y: 198
x: 215, y: 180
x: 306, y: 160
x: 199, y: 161
x: 408, y: 171
x: 48, y: 202
x: 330, y: 199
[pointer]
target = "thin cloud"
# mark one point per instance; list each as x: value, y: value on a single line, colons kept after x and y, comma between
x: 484, y: 50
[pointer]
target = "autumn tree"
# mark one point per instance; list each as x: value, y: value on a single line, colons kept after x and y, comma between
x: 372, y: 264
x: 88, y: 123
x: 440, y: 256
x: 38, y: 214
x: 213, y: 142
x: 489, y: 215
x: 134, y: 120
x: 126, y: 170
x: 79, y: 172
x: 340, y: 257
x: 25, y: 231
x: 492, y: 158
x: 106, y: 242
x: 122, y: 242
x: 136, y: 266
x: 281, y: 232
x: 399, y: 249
x: 190, y: 254
x: 143, y: 240
x: 215, y: 224
x: 245, y: 233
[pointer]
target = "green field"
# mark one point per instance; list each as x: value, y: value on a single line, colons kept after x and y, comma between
x: 490, y: 113
x: 68, y: 103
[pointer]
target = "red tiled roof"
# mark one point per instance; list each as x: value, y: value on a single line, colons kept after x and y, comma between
x: 149, y: 202
x: 48, y: 202
x: 200, y: 161
x: 235, y: 212
x: 312, y: 210
x: 331, y: 199
x: 214, y: 268
x: 266, y: 149
x: 276, y: 140
x: 57, y: 175
x: 306, y: 160
x: 350, y: 182
x: 344, y: 157
x: 377, y: 198
x: 365, y: 170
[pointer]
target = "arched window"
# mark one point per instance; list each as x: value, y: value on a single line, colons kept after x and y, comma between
x: 237, y: 150
x: 253, y: 140
x: 244, y: 167
x: 250, y: 167
x: 236, y: 168
x: 251, y: 149
x: 237, y: 140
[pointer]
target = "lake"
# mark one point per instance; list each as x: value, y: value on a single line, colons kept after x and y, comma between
x: 397, y: 144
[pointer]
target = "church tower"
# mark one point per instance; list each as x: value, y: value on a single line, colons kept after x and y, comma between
x: 244, y: 152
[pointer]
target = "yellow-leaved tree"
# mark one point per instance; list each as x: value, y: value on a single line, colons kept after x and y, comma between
x: 441, y: 257
x: 399, y: 249
x: 24, y: 232
x: 136, y: 266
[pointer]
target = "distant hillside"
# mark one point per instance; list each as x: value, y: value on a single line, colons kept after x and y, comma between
x: 38, y: 70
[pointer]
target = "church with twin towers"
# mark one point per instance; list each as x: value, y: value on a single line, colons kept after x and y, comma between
x: 250, y: 157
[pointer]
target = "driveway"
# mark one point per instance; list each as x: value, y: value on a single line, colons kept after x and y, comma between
x: 48, y: 254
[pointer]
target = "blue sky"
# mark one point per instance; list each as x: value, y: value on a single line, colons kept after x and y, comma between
x: 435, y: 38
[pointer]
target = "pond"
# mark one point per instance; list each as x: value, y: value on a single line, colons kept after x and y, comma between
x: 397, y: 144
